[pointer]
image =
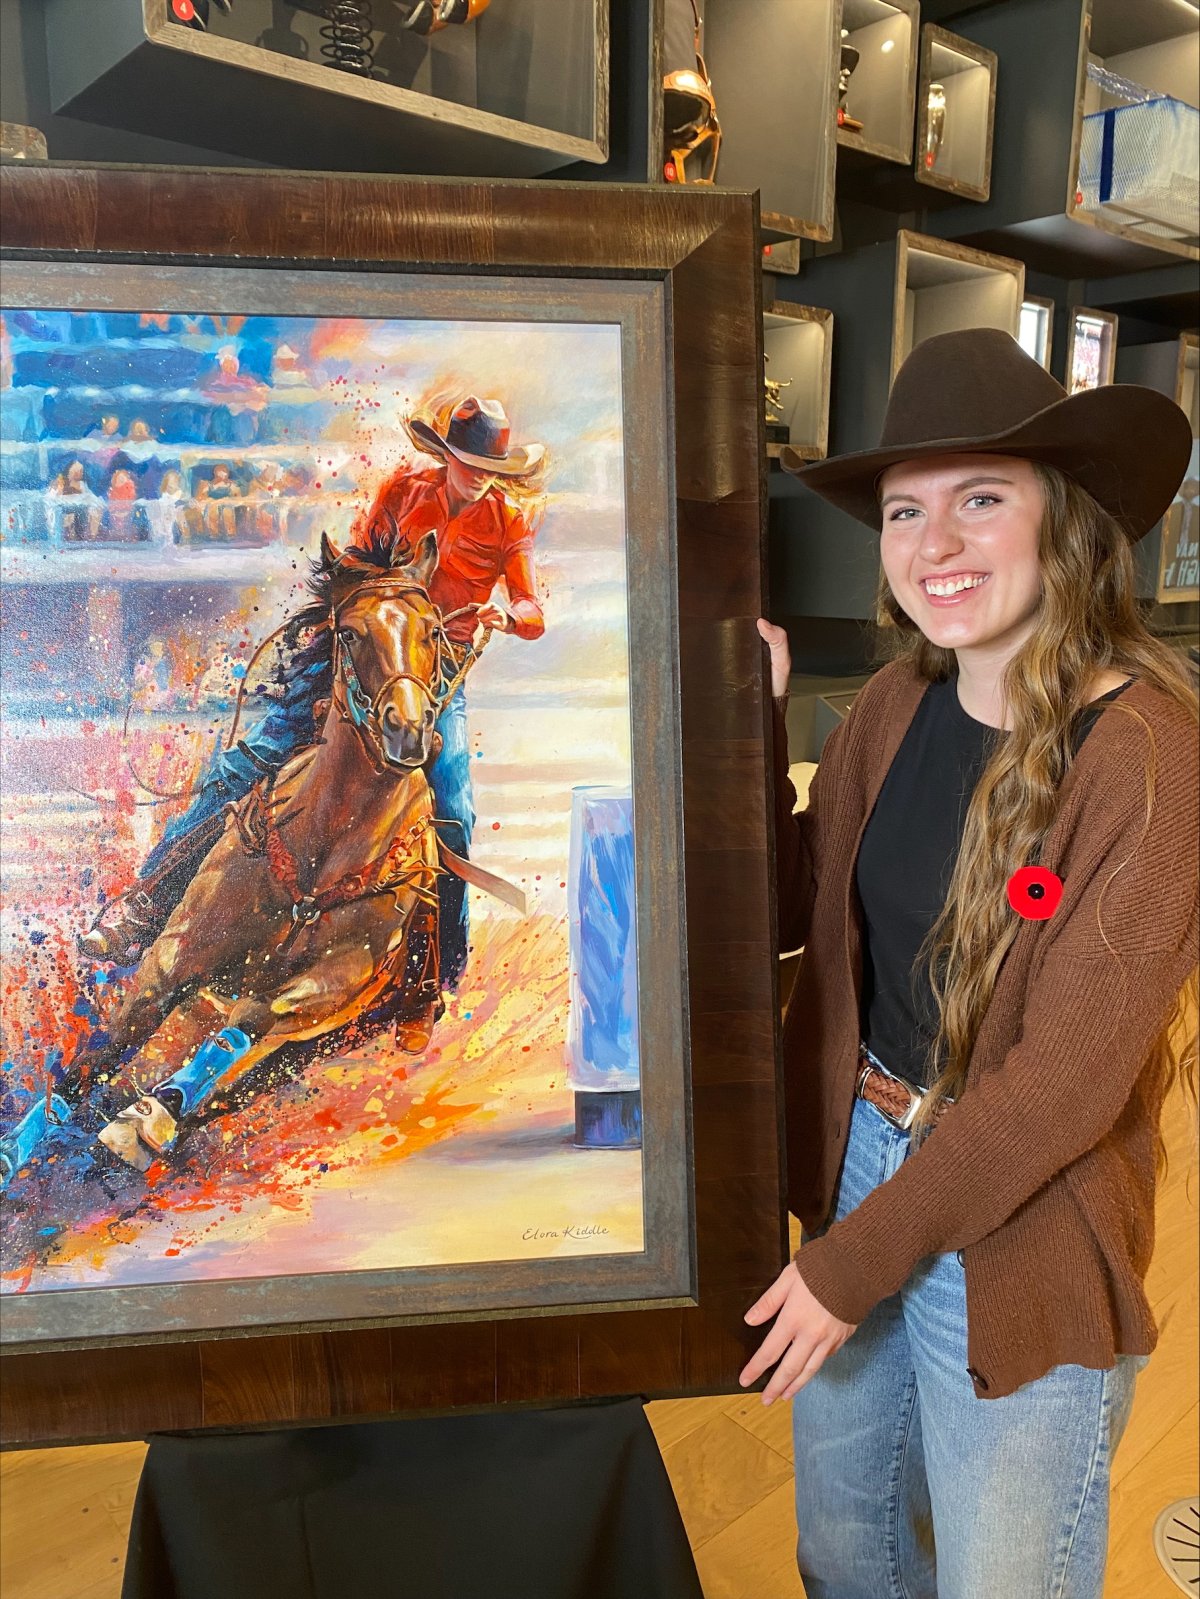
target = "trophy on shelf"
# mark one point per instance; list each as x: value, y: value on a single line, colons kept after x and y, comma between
x: 850, y: 58
x: 20, y: 143
x: 935, y: 123
x: 690, y: 126
x: 778, y: 431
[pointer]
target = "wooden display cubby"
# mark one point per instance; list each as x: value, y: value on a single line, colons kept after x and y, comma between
x: 798, y: 342
x: 883, y: 85
x: 1091, y: 349
x: 961, y: 163
x: 773, y: 68
x: 1136, y: 178
x: 1187, y: 379
x: 943, y: 287
x: 521, y: 92
x: 1036, y: 332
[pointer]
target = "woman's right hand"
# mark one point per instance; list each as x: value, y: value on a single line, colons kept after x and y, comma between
x: 776, y: 640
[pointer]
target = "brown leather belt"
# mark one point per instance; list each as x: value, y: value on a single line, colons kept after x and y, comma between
x: 891, y: 1096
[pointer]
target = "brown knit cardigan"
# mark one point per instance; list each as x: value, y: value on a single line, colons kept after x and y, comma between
x: 1043, y: 1172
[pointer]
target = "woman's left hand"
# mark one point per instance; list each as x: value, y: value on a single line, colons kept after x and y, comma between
x: 802, y: 1339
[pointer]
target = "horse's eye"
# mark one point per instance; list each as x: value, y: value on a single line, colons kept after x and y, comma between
x: 347, y: 635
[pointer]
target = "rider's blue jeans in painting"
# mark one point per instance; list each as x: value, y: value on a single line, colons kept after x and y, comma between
x: 282, y: 730
x: 896, y: 1457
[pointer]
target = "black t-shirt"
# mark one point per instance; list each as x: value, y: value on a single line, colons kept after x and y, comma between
x: 905, y: 864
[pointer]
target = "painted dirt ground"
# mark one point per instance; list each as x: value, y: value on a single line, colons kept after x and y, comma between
x: 121, y: 654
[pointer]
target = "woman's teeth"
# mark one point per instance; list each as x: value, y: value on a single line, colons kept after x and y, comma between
x: 956, y: 587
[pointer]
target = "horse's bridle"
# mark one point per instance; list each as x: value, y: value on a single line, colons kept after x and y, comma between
x: 361, y: 711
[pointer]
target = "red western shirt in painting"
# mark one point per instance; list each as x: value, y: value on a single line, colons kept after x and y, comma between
x: 484, y: 542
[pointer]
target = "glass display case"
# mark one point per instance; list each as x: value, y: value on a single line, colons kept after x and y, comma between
x: 1091, y: 349
x: 942, y: 287
x: 878, y: 78
x: 798, y: 351
x: 1036, y: 332
x: 520, y: 91
x: 773, y: 72
x: 956, y: 110
x: 1136, y: 148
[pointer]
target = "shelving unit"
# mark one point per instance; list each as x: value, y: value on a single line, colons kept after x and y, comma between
x: 1187, y: 379
x: 798, y: 344
x: 883, y: 84
x: 774, y: 74
x: 1179, y: 546
x: 956, y: 114
x: 521, y: 92
x: 1091, y: 349
x: 1036, y: 332
x: 943, y: 287
x: 1135, y: 149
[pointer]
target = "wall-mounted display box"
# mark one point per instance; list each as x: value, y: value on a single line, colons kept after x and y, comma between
x: 798, y: 346
x: 1036, y: 332
x: 1042, y: 47
x: 956, y: 113
x: 1091, y: 349
x: 1136, y: 144
x: 1179, y: 547
x: 1187, y: 379
x: 773, y: 67
x: 782, y: 259
x: 520, y: 92
x: 1170, y: 366
x: 943, y: 287
x: 878, y: 66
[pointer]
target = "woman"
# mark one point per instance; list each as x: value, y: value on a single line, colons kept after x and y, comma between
x: 995, y: 884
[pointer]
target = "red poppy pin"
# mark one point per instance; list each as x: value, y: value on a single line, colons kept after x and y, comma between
x: 1034, y: 893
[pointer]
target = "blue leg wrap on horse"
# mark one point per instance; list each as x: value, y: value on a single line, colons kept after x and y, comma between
x: 21, y: 1143
x: 215, y: 1057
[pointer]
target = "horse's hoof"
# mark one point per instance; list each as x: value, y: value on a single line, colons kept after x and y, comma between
x: 413, y: 1035
x: 140, y: 1133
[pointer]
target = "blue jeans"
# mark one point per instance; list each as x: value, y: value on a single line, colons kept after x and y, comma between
x: 908, y: 1486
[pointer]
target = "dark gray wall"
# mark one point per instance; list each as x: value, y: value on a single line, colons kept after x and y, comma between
x: 25, y: 97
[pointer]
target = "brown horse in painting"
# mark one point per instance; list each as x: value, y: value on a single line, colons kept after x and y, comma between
x: 321, y: 894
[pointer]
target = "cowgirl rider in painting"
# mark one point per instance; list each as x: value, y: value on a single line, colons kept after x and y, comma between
x: 470, y: 499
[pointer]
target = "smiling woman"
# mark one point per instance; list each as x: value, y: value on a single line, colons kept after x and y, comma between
x: 1017, y: 960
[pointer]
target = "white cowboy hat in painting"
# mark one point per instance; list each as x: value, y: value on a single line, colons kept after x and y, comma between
x: 478, y: 435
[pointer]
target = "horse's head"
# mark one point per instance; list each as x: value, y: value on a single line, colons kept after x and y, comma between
x: 388, y: 654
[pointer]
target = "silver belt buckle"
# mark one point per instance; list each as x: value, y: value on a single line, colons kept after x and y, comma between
x: 915, y: 1095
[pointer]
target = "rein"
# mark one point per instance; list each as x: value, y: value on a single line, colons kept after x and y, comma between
x: 405, y: 863
x: 353, y: 704
x: 402, y: 865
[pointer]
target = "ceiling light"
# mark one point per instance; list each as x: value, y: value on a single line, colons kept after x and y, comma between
x: 888, y: 44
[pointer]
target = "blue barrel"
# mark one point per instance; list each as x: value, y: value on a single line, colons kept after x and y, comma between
x: 602, y: 1034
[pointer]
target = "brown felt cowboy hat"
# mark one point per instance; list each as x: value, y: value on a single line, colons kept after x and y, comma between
x: 978, y: 393
x: 478, y: 435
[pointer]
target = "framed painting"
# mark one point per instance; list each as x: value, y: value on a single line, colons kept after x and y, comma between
x: 359, y: 990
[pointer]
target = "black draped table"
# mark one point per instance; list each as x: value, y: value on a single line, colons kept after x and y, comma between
x: 570, y: 1503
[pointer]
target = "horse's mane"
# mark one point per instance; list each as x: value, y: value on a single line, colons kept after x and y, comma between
x: 375, y: 555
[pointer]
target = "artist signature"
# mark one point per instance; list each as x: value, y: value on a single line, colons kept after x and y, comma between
x: 575, y: 1230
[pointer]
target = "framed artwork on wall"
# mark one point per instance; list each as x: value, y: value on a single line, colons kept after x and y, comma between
x: 1091, y: 349
x: 353, y: 629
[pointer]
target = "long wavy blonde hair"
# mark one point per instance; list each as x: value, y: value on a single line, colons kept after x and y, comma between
x: 1087, y: 622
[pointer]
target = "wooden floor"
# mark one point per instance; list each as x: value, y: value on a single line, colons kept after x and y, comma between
x: 64, y: 1513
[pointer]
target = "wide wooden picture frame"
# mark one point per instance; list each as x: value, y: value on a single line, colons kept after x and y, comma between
x: 681, y: 279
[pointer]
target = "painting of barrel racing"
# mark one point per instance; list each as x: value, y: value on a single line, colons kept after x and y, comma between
x: 318, y: 905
